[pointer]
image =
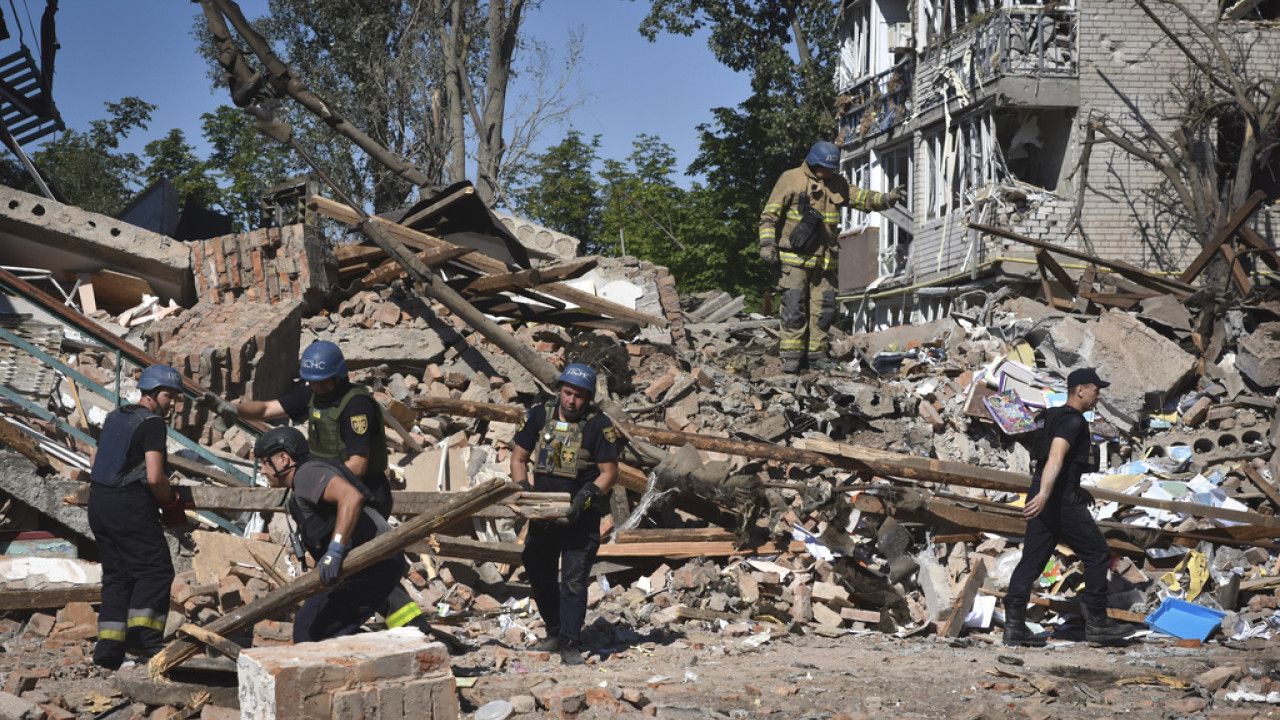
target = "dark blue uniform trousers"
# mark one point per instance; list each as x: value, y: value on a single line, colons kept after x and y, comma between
x: 342, y: 609
x: 137, y: 572
x: 557, y: 560
x: 1065, y: 519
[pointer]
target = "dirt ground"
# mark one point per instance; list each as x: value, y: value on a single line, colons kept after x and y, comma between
x: 690, y: 672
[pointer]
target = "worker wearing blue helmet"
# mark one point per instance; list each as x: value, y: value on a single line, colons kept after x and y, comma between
x: 574, y: 448
x: 344, y: 422
x: 129, y: 497
x: 799, y: 232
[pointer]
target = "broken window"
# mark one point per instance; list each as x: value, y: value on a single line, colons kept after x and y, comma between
x: 1034, y: 143
x: 1266, y: 160
x: 871, y: 33
x: 1252, y: 10
x: 882, y: 171
x: 962, y: 158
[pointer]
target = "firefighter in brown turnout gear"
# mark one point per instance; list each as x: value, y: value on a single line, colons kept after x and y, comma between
x: 798, y: 230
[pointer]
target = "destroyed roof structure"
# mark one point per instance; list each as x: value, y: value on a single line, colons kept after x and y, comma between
x: 991, y: 113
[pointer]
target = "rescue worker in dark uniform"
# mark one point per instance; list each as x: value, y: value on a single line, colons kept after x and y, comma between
x: 343, y: 419
x: 799, y: 230
x: 344, y: 425
x: 128, y: 497
x: 328, y: 503
x: 574, y: 448
x: 1057, y: 510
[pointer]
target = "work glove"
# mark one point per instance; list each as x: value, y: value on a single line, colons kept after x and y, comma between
x: 582, y: 500
x: 769, y: 253
x: 174, y: 514
x: 330, y: 565
x: 525, y: 485
x: 896, y: 195
x: 226, y: 412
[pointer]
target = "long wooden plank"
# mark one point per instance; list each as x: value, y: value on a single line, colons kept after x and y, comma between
x: 484, y: 263
x: 526, y: 505
x: 535, y: 277
x: 1233, y: 225
x: 465, y: 505
x: 49, y: 598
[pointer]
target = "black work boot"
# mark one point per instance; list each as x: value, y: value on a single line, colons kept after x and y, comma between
x: 1100, y: 628
x: 1016, y: 632
x: 548, y: 645
x: 792, y: 365
x: 821, y: 362
x: 571, y: 654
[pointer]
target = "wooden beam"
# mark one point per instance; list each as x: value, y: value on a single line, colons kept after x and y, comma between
x: 213, y: 640
x: 27, y: 446
x: 1259, y: 482
x: 464, y: 505
x: 1238, y: 272
x: 954, y: 623
x: 1136, y: 274
x: 49, y: 598
x: 1255, y: 242
x: 486, y: 264
x: 390, y: 270
x: 523, y: 505
x: 535, y: 277
x: 1233, y: 225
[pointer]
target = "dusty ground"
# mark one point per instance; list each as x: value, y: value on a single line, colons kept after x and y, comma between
x: 687, y: 672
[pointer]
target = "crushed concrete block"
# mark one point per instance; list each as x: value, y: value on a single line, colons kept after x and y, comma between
x: 13, y: 707
x: 1258, y: 355
x: 1144, y: 367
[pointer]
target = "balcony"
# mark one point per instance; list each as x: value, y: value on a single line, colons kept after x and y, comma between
x: 1009, y: 44
x: 878, y: 103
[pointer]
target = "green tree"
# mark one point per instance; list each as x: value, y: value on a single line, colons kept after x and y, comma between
x: 245, y: 161
x: 172, y: 158
x: 559, y: 190
x: 88, y: 168
x: 789, y: 48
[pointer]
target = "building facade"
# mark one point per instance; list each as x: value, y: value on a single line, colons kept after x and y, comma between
x: 982, y: 108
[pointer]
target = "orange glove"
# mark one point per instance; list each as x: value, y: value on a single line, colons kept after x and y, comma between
x: 175, y: 513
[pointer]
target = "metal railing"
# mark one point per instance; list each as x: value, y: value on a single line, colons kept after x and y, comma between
x: 1034, y: 43
x: 879, y: 102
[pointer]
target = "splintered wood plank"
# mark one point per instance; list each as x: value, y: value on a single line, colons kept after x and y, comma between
x: 955, y: 622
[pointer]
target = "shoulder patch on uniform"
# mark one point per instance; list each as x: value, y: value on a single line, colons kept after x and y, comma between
x: 360, y: 424
x: 610, y: 434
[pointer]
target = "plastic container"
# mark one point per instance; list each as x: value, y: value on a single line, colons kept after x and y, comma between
x: 1185, y: 620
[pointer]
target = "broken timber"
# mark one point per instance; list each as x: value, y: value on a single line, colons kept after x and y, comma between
x: 826, y: 453
x: 492, y: 266
x: 526, y: 505
x: 464, y: 505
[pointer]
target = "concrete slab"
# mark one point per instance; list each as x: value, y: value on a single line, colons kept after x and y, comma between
x: 38, y: 232
x: 1144, y: 367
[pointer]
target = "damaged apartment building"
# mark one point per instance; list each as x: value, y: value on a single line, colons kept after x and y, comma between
x: 981, y: 109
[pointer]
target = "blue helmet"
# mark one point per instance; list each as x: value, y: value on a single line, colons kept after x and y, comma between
x: 322, y: 360
x: 579, y: 376
x: 823, y: 154
x: 159, y: 376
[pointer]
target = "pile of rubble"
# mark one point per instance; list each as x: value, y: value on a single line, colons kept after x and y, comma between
x: 880, y: 498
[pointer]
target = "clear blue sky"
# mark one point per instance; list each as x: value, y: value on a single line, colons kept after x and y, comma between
x: 144, y: 48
